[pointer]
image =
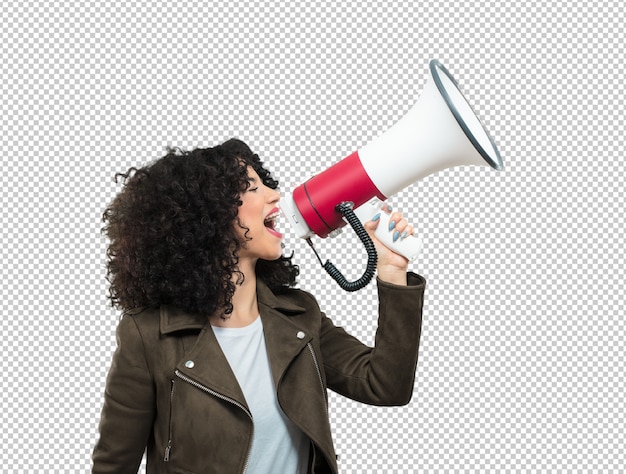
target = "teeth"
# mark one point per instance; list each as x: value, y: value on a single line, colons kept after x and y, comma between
x: 271, y: 216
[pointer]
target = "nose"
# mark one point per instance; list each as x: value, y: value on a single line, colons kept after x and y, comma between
x: 273, y: 195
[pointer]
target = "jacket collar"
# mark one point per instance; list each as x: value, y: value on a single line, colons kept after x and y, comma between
x: 206, y: 363
x: 173, y: 319
x: 266, y: 297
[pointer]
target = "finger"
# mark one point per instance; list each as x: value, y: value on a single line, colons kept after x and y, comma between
x: 398, y: 228
x: 372, y: 224
x: 408, y: 230
x: 395, y: 220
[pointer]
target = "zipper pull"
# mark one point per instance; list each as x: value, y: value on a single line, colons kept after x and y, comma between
x: 167, y: 451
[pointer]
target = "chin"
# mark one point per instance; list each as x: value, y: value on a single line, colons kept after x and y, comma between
x: 275, y: 256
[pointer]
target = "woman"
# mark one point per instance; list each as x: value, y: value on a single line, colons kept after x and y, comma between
x: 221, y: 365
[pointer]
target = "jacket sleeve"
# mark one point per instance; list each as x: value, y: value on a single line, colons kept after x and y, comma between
x: 384, y: 374
x: 129, y: 405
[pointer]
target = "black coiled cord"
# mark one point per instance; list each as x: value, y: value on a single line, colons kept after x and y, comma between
x: 345, y: 208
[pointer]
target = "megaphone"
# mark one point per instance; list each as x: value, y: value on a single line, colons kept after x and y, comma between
x: 440, y: 131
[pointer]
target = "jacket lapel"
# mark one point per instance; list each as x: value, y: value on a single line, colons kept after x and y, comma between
x: 284, y: 339
x: 205, y: 363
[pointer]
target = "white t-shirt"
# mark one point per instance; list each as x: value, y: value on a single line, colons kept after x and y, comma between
x: 278, y: 445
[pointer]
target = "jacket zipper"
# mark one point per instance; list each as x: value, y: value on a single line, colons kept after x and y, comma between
x: 168, y: 448
x: 319, y: 373
x: 182, y: 376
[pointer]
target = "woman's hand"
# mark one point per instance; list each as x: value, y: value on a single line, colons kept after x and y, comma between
x: 391, y: 267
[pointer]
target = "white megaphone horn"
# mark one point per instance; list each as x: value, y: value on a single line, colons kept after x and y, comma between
x: 440, y: 131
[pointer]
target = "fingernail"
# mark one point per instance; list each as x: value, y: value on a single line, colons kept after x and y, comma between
x: 376, y: 217
x: 396, y: 234
x: 389, y: 208
x: 403, y: 236
x: 392, y: 224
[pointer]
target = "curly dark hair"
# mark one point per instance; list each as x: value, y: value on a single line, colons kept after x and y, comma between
x: 172, y: 231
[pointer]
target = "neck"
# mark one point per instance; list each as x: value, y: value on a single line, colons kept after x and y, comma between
x: 245, y: 305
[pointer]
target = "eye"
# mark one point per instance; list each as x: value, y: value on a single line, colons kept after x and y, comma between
x: 253, y: 189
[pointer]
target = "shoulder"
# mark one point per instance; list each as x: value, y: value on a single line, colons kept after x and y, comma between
x: 138, y: 327
x: 157, y: 335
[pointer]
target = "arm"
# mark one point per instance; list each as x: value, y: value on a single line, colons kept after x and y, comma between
x: 384, y: 374
x: 129, y: 405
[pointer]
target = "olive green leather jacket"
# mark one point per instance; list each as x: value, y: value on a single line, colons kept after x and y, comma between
x: 171, y: 390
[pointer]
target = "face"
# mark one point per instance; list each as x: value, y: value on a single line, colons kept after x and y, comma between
x: 259, y: 213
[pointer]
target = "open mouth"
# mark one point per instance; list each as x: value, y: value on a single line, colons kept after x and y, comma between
x: 270, y: 222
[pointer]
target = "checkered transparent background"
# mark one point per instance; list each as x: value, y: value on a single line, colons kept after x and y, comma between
x: 522, y: 357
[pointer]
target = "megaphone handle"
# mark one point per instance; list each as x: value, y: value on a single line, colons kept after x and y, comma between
x: 409, y: 247
x: 345, y: 208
